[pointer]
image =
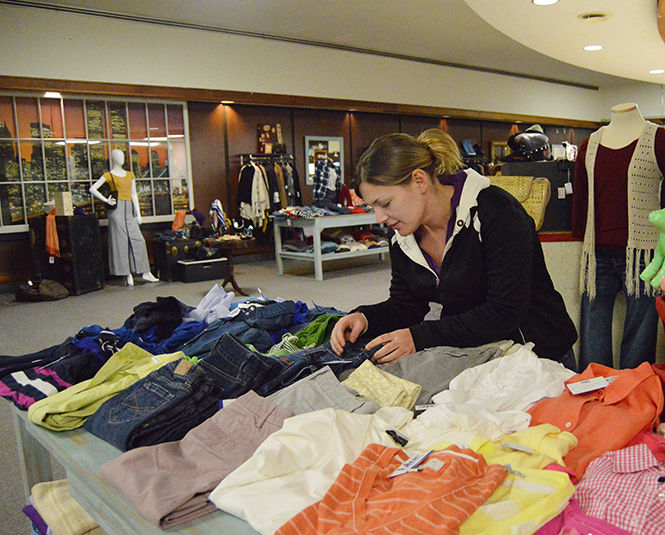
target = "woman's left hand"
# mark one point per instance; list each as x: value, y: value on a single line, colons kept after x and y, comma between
x: 396, y: 344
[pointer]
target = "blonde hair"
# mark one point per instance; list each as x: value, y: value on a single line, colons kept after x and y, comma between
x: 390, y: 159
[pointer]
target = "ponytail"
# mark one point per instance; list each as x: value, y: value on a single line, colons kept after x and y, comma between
x: 390, y: 159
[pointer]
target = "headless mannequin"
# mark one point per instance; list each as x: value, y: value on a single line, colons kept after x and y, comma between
x: 625, y: 126
x: 117, y: 161
x: 640, y: 327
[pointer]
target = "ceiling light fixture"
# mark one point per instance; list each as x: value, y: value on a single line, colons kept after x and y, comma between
x: 657, y: 71
x: 228, y: 101
x: 52, y: 94
x: 544, y: 2
x: 592, y: 48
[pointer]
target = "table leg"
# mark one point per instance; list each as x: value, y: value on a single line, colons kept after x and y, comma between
x: 34, y: 459
x: 318, y: 262
x: 277, y: 232
x: 230, y: 275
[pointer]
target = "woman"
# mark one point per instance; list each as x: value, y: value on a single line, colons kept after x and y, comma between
x: 127, y: 249
x: 459, y: 242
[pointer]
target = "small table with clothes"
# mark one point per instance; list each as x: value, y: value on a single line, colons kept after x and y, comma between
x: 316, y: 225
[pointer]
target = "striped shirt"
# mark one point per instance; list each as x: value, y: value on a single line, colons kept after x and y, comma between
x: 452, y: 484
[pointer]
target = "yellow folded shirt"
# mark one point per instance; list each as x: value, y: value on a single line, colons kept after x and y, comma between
x: 530, y: 496
x: 68, y: 409
x: 384, y: 388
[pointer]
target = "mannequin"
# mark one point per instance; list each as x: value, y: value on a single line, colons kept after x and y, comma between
x: 626, y: 124
x: 618, y: 174
x: 127, y: 249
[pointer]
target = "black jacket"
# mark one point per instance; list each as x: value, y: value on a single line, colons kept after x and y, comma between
x: 494, y: 284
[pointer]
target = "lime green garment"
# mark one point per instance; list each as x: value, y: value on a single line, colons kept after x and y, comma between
x: 70, y: 408
x: 318, y: 331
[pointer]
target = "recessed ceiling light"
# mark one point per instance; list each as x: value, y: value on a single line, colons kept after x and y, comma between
x: 593, y: 47
x: 544, y: 2
x: 228, y: 101
x: 52, y: 94
x: 657, y: 71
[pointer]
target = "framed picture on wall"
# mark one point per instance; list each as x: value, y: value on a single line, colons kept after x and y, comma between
x: 322, y: 148
x: 498, y: 149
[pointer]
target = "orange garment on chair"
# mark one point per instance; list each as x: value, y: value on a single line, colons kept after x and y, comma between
x: 606, y: 419
x: 452, y: 484
x: 52, y: 241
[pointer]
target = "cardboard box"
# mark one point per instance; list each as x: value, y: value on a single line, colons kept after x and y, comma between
x: 63, y: 203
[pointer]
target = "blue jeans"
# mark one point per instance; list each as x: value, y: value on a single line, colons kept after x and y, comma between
x: 236, y: 369
x: 250, y: 326
x: 161, y: 407
x: 640, y: 327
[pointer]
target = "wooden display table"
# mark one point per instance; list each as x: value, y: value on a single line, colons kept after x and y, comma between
x: 317, y: 224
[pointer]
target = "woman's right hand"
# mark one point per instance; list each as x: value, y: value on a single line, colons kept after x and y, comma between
x: 350, y: 327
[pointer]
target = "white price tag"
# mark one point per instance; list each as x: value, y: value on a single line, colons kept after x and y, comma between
x: 424, y: 406
x: 569, y: 188
x: 51, y: 259
x: 518, y: 447
x: 589, y: 385
x: 411, y: 464
x: 561, y: 193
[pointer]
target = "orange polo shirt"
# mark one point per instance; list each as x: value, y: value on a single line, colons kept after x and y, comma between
x: 606, y: 419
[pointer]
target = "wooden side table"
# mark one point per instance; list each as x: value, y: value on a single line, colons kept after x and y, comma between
x: 227, y: 247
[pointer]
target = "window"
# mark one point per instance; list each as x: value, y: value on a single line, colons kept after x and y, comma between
x: 63, y: 144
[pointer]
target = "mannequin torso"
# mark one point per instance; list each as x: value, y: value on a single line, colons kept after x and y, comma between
x: 626, y: 125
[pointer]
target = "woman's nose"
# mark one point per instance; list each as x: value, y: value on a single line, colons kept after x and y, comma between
x: 381, y: 216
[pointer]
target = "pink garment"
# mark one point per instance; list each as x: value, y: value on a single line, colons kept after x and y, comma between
x: 573, y: 521
x: 627, y: 489
x: 656, y: 443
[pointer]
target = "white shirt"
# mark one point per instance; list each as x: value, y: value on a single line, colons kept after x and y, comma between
x: 492, y: 398
x: 295, y: 466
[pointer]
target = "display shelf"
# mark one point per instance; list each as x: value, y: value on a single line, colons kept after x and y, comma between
x: 317, y: 225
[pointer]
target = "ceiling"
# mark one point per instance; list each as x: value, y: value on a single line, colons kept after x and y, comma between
x: 511, y: 36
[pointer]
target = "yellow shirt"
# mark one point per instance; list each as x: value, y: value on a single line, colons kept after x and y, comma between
x: 123, y: 184
x: 531, y: 495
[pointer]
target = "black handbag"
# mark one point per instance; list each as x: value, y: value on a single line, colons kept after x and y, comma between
x: 110, y: 193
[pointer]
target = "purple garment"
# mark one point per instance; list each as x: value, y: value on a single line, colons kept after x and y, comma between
x: 36, y: 519
x: 456, y: 181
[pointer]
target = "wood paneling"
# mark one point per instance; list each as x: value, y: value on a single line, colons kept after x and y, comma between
x: 206, y: 135
x: 365, y: 128
x: 243, y: 139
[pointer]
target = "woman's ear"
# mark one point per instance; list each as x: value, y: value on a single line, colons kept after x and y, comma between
x: 421, y: 179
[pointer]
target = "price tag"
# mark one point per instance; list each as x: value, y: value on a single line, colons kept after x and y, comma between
x: 411, y: 464
x: 424, y: 407
x: 51, y: 259
x: 517, y: 447
x: 589, y: 385
x: 569, y: 188
x: 561, y: 193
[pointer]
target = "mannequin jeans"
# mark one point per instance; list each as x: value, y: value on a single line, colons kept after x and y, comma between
x: 640, y: 327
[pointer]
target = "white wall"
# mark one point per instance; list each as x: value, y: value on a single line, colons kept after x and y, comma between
x: 649, y: 97
x: 49, y: 44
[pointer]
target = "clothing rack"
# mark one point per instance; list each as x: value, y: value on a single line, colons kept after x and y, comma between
x: 262, y: 157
